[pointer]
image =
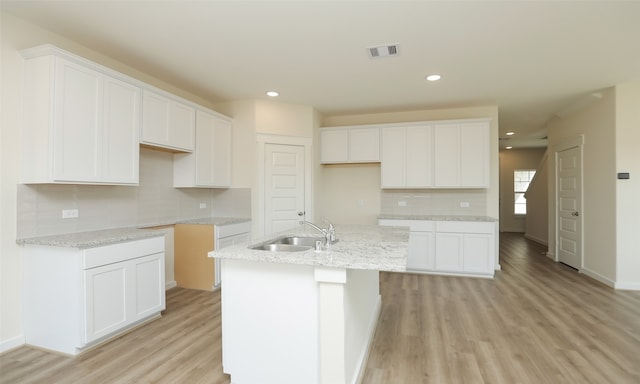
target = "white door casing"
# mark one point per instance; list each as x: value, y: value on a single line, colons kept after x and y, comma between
x: 569, y: 206
x: 263, y: 222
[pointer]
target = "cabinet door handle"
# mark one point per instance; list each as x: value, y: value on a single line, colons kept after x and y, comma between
x: 301, y: 213
x: 575, y: 214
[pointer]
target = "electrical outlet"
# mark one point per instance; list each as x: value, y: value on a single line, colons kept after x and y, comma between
x: 402, y: 203
x: 464, y: 204
x: 69, y: 213
x: 203, y: 205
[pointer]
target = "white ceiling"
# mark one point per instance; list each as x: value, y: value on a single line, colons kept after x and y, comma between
x: 532, y: 59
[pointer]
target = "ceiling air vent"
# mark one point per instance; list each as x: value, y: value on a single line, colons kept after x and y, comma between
x: 383, y: 51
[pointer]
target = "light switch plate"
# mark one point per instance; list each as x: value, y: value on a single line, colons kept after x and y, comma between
x: 203, y: 205
x: 464, y: 204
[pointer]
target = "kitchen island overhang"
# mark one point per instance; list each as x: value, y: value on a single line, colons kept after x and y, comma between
x: 305, y: 317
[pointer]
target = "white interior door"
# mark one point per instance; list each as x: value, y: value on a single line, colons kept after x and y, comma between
x: 569, y: 194
x: 284, y: 186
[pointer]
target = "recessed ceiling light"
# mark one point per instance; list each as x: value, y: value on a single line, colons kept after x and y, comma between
x: 510, y: 133
x: 508, y: 147
x: 434, y: 77
x: 272, y: 93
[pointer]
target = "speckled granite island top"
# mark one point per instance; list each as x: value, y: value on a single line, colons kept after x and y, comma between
x: 368, y: 247
x: 437, y: 218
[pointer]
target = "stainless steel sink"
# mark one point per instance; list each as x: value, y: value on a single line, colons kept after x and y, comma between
x: 288, y: 244
x: 275, y: 247
x: 298, y: 240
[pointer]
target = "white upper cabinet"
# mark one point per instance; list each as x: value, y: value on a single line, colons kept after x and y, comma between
x: 364, y: 145
x: 350, y: 145
x: 406, y: 157
x: 443, y: 154
x: 393, y: 160
x: 120, y: 136
x: 209, y: 166
x: 334, y: 146
x: 167, y: 122
x: 81, y: 121
x: 461, y: 154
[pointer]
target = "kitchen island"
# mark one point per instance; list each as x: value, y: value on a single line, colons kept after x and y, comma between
x: 309, y: 316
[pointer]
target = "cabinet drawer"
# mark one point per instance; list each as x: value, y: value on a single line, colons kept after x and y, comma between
x: 465, y: 227
x: 108, y: 254
x: 232, y: 229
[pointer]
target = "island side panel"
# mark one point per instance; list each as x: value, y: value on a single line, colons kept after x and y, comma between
x: 269, y: 322
x: 362, y: 309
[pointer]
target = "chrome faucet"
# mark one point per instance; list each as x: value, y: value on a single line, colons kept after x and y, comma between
x: 329, y: 233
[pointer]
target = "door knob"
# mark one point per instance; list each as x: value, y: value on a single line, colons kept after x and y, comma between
x: 575, y: 214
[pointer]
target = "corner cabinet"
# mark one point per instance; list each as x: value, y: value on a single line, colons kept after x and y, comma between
x: 209, y: 166
x: 350, y: 145
x: 81, y: 121
x: 167, y: 122
x: 77, y: 298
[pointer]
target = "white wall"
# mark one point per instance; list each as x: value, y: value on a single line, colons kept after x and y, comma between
x: 345, y: 185
x: 628, y: 191
x: 597, y: 123
x: 351, y: 193
x: 537, y: 221
x: 510, y: 160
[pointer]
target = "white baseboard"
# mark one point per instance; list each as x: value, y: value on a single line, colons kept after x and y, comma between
x: 12, y: 343
x: 627, y: 286
x: 599, y: 277
x: 512, y: 230
x: 536, y: 239
x: 170, y: 284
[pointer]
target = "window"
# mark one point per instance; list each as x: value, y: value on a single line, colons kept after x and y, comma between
x: 521, y: 180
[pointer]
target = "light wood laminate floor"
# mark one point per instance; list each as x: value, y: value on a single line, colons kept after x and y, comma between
x: 536, y: 322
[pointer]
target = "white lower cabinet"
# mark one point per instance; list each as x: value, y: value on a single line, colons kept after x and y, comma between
x: 421, y: 242
x: 450, y: 247
x: 448, y: 252
x: 76, y: 298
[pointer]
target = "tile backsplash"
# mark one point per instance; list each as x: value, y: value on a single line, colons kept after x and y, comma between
x: 434, y: 202
x: 153, y: 202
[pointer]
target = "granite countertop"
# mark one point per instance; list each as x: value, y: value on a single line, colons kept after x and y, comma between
x: 368, y: 247
x: 437, y: 217
x: 103, y: 237
x: 219, y: 221
x: 91, y: 239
